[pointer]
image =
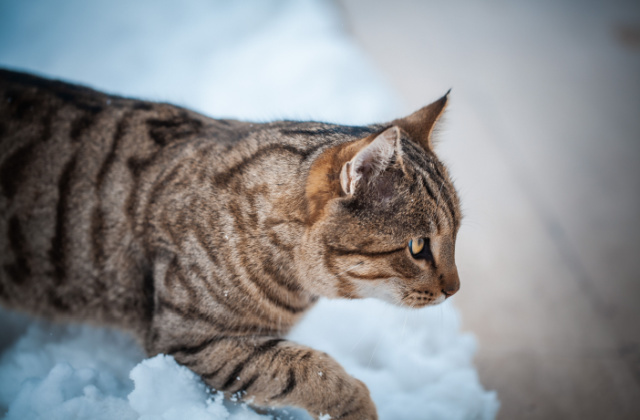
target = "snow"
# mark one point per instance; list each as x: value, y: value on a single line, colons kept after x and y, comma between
x: 62, y: 372
x: 416, y: 363
x: 257, y: 60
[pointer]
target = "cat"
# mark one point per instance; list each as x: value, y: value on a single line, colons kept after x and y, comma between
x: 209, y: 239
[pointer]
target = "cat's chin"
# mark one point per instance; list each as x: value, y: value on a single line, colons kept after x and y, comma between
x: 418, y: 302
x: 387, y: 291
x: 383, y: 290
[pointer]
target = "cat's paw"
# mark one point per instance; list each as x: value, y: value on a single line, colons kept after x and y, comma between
x: 360, y: 406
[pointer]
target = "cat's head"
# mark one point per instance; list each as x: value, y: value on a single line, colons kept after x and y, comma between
x: 383, y: 216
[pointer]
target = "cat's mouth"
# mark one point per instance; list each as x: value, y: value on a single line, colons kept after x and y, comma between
x: 422, y: 298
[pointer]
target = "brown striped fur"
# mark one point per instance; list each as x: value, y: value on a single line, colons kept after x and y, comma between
x: 209, y: 239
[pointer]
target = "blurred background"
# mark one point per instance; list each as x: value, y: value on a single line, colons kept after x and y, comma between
x: 542, y: 137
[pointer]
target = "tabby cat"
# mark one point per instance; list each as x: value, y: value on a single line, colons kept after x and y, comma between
x: 209, y: 239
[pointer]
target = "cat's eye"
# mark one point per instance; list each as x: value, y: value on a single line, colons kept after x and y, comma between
x: 416, y: 246
x: 420, y: 249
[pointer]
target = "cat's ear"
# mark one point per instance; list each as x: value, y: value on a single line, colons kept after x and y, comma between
x: 420, y: 124
x: 370, y: 161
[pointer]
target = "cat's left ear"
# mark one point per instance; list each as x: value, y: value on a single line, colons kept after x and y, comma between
x: 370, y: 161
x: 420, y: 124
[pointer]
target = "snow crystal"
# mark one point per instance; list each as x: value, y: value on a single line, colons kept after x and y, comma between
x: 204, y: 54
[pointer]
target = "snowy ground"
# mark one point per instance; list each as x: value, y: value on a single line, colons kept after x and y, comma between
x: 256, y: 60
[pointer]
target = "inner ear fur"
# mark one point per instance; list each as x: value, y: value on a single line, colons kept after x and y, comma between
x: 365, y: 157
x: 419, y: 125
x: 370, y: 160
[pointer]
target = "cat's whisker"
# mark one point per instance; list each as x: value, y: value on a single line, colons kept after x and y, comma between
x: 350, y: 268
x: 435, y: 212
x: 374, y: 351
x: 375, y: 348
x: 358, y: 341
x: 406, y: 315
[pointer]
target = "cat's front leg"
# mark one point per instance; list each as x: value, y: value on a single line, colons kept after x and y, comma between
x: 269, y: 371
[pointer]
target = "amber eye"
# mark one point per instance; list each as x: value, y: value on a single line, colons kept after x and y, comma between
x: 415, y: 246
x: 420, y: 249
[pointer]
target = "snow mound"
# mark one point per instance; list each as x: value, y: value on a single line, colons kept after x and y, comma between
x: 164, y: 390
x: 63, y: 372
x: 416, y: 363
x: 256, y: 59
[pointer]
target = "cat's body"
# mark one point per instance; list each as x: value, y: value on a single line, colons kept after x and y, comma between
x: 209, y: 239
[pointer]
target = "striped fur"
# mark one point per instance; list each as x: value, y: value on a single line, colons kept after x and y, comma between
x: 209, y: 239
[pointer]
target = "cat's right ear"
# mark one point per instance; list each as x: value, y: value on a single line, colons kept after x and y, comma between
x: 341, y: 169
x: 370, y: 161
x: 421, y: 123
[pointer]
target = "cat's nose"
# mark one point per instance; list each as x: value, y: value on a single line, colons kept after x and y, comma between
x: 450, y: 283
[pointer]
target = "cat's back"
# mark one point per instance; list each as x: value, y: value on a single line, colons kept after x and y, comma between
x: 74, y: 166
x: 93, y: 186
